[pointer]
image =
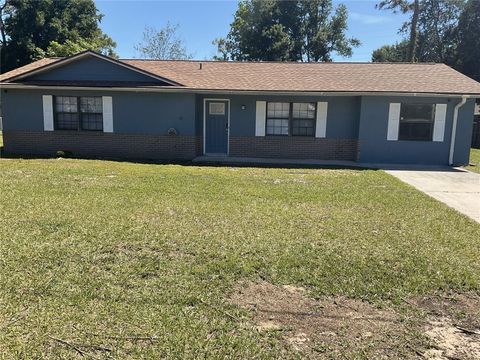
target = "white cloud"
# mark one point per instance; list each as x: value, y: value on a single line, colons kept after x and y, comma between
x: 369, y: 19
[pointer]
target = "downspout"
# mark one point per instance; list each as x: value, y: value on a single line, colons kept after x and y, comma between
x: 454, y: 128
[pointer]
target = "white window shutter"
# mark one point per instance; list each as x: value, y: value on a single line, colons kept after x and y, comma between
x: 107, y: 114
x: 48, y: 112
x: 321, y: 126
x: 393, y: 121
x: 439, y: 124
x: 260, y: 118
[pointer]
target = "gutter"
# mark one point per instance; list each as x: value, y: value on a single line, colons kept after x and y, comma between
x: 454, y: 128
x: 178, y: 89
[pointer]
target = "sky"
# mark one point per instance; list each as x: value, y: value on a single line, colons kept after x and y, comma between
x: 201, y: 21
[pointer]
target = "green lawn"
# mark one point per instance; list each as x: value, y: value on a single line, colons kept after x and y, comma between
x: 474, y: 160
x: 99, y: 252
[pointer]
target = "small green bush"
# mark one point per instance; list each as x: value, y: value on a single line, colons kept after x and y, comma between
x: 64, y: 154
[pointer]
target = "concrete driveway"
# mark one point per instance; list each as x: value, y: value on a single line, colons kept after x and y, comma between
x: 459, y: 189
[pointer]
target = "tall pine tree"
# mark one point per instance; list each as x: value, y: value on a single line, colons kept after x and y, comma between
x: 468, y: 53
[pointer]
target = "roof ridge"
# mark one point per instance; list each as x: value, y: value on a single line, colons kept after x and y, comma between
x: 283, y: 62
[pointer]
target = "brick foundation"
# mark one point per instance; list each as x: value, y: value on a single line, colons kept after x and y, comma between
x: 290, y: 147
x: 103, y: 145
x: 164, y: 147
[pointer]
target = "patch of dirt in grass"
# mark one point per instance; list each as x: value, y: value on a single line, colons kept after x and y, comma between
x: 453, y: 325
x: 339, y: 327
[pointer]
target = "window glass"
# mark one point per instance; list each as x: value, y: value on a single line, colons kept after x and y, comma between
x: 67, y: 121
x: 216, y: 108
x: 78, y: 113
x: 277, y: 126
x: 303, y: 111
x: 92, y: 122
x: 91, y: 105
x: 302, y: 127
x: 91, y: 112
x: 303, y: 119
x: 278, y: 115
x: 416, y: 122
x: 66, y: 113
x: 278, y: 110
x: 66, y: 104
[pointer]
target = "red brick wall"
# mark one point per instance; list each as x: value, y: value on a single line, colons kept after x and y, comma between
x: 164, y: 147
x: 107, y: 145
x: 292, y: 147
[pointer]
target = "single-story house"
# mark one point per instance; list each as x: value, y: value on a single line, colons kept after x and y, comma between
x: 96, y: 106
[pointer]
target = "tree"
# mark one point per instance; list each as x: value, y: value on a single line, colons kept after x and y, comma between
x: 70, y: 47
x: 406, y: 6
x: 222, y: 50
x: 325, y: 34
x: 296, y: 30
x: 256, y: 32
x: 162, y: 44
x: 436, y: 35
x: 391, y: 53
x: 34, y: 28
x: 3, y: 35
x: 468, y: 31
x: 438, y: 20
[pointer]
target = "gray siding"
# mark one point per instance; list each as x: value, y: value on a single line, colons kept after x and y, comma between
x: 133, y: 113
x: 374, y: 146
x: 93, y: 69
x: 22, y: 110
x: 464, y: 133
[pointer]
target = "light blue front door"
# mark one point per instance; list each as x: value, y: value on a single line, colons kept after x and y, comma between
x: 216, y: 127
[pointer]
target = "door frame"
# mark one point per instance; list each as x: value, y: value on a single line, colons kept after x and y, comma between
x: 205, y: 122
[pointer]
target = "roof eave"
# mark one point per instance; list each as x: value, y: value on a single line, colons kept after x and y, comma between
x: 66, y: 60
x: 182, y: 89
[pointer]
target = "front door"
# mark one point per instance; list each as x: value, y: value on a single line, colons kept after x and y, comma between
x: 216, y: 127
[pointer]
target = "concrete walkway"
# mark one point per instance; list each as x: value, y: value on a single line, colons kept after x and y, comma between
x: 246, y: 161
x: 457, y: 188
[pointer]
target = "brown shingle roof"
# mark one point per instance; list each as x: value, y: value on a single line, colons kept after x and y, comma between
x: 302, y: 77
x: 23, y: 69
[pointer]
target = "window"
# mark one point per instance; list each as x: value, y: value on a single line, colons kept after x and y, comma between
x: 416, y: 122
x: 216, y: 108
x: 78, y: 113
x: 303, y: 119
x: 66, y: 113
x: 278, y: 115
x: 296, y: 119
x: 91, y: 113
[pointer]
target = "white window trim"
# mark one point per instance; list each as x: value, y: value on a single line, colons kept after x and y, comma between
x: 439, y: 122
x: 48, y: 113
x: 107, y: 108
x: 260, y: 118
x: 322, y: 115
x: 393, y: 121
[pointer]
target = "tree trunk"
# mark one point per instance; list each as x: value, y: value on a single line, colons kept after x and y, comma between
x: 412, y: 48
